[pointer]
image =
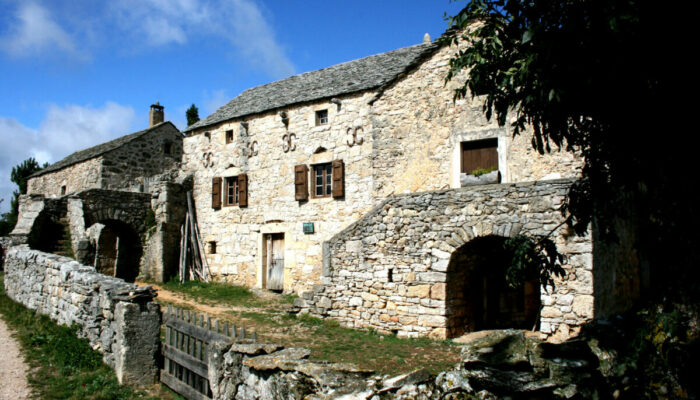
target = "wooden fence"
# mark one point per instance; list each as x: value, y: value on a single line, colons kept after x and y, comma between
x: 187, y: 339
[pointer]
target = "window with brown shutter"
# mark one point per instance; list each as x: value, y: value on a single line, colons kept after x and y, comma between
x: 480, y: 156
x: 216, y: 193
x: 301, y: 182
x: 243, y: 190
x: 231, y: 191
x: 338, y: 178
x: 321, y: 180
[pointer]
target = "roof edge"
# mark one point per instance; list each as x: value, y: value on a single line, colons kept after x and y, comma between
x: 140, y: 133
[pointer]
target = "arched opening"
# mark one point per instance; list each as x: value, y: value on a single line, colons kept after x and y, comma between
x: 118, y: 250
x: 478, y: 296
x: 50, y: 233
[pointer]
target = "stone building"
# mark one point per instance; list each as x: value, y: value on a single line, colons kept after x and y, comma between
x: 363, y: 187
x: 97, y: 203
x: 355, y: 186
x: 130, y: 162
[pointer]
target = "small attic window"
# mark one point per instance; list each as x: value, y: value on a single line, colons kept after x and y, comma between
x: 207, y: 135
x: 229, y: 137
x: 321, y: 117
x: 167, y: 148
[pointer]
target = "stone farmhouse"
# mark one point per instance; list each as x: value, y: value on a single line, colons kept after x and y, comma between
x: 362, y: 187
x: 103, y: 196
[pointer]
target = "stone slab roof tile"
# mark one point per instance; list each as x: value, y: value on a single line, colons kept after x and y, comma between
x: 100, y: 149
x: 349, y: 77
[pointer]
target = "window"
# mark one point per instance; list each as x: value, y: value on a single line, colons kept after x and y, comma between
x: 167, y: 148
x: 480, y: 156
x: 321, y: 117
x: 229, y: 137
x: 231, y: 196
x: 63, y: 190
x: 322, y: 178
x: 212, y: 247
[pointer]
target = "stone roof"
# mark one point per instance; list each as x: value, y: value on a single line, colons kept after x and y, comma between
x: 100, y: 149
x: 349, y: 77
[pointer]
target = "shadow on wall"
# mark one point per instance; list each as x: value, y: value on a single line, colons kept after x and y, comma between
x: 477, y: 295
x: 118, y: 250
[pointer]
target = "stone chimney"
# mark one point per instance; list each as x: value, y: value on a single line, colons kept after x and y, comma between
x: 156, y: 115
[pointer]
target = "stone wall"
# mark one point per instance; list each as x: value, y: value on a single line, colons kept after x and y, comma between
x: 120, y: 320
x: 76, y: 177
x: 162, y: 241
x: 261, y: 152
x: 141, y: 163
x: 500, y: 364
x: 390, y: 270
x: 418, y: 129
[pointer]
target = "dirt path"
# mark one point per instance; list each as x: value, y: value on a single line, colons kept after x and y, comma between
x: 13, y: 370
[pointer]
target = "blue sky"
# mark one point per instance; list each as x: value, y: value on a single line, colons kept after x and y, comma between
x: 76, y: 73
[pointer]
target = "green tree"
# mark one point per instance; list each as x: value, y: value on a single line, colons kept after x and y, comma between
x: 603, y: 78
x: 19, y: 175
x: 192, y: 115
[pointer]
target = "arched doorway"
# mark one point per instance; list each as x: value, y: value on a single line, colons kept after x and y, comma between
x: 118, y: 250
x: 478, y: 296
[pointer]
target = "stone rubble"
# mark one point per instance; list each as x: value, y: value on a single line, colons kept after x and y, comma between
x: 499, y: 364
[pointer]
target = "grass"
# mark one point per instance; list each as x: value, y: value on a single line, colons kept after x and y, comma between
x: 266, y: 314
x: 212, y: 292
x: 63, y: 366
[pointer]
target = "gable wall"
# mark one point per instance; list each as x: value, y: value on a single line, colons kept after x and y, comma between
x: 272, y: 208
x: 76, y: 178
x: 418, y: 129
x: 129, y: 166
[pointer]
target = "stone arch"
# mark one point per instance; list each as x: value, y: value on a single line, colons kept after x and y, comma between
x: 118, y: 250
x: 477, y: 296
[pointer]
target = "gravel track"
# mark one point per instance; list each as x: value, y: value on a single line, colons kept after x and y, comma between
x: 13, y: 370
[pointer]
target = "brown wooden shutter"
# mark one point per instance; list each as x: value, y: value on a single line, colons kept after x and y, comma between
x: 338, y: 178
x: 480, y: 154
x: 216, y: 193
x: 301, y: 182
x: 243, y: 190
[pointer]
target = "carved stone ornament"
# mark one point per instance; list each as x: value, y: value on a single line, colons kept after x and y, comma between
x: 252, y: 148
x: 287, y: 144
x: 208, y: 159
x: 354, y: 136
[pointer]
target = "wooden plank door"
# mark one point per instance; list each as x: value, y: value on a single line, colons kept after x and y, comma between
x: 275, y: 261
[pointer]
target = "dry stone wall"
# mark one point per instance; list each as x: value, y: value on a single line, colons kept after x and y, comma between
x: 390, y: 270
x: 498, y: 365
x: 119, y: 319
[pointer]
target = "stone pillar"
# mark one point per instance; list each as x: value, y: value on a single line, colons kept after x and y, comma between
x: 138, y: 341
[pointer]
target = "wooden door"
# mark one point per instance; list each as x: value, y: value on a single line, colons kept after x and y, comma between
x: 275, y: 261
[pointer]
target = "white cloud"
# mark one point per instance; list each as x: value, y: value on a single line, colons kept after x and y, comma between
x: 34, y: 32
x: 240, y: 22
x: 63, y: 131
